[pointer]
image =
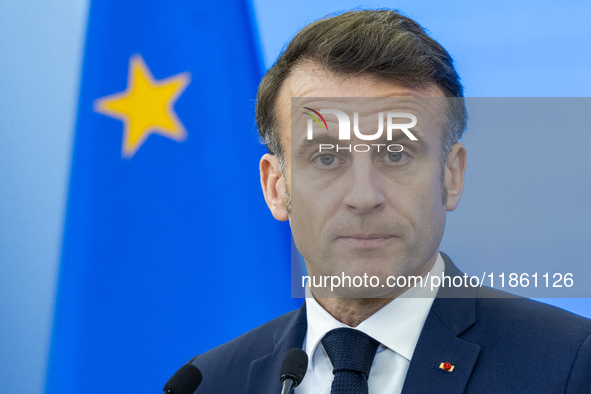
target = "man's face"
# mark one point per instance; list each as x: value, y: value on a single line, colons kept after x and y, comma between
x: 371, y: 213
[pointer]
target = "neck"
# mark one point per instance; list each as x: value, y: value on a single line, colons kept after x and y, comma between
x: 352, y: 311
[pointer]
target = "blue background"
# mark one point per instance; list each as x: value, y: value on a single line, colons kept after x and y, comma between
x: 502, y: 49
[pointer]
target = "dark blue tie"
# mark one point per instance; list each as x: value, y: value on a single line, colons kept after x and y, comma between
x: 351, y: 353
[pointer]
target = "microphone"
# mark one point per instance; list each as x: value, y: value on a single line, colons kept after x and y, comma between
x: 293, y: 369
x: 184, y: 381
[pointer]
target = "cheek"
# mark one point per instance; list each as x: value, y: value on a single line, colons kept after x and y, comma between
x: 424, y: 199
x: 314, y: 198
x: 311, y: 214
x: 304, y: 213
x: 310, y: 211
x: 434, y: 208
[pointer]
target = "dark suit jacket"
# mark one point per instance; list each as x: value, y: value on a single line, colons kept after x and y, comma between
x: 497, y: 345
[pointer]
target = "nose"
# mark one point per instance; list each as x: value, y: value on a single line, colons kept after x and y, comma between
x: 365, y: 192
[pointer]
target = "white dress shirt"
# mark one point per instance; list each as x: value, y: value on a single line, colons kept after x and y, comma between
x: 396, y: 326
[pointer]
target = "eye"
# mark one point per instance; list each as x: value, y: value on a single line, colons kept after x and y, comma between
x: 396, y: 157
x: 326, y: 160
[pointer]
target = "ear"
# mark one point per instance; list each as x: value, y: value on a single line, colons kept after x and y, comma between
x: 454, y: 175
x: 273, y: 185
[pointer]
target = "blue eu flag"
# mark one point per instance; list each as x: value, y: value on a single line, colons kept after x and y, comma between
x: 169, y: 248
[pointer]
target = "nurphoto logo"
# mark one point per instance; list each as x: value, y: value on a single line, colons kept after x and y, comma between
x: 345, y: 129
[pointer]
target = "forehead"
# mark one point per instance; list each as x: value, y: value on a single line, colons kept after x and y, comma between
x: 312, y: 80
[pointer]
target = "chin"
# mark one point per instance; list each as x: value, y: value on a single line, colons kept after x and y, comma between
x: 381, y: 267
x: 362, y: 292
x: 357, y: 279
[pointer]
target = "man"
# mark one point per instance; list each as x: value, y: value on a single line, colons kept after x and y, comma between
x: 382, y: 214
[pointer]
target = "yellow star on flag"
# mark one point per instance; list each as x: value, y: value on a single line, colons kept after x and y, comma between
x: 146, y: 106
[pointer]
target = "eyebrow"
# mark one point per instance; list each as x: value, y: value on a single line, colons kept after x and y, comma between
x: 397, y: 135
x: 306, y: 144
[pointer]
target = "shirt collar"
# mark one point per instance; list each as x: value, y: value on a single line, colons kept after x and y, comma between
x: 396, y: 326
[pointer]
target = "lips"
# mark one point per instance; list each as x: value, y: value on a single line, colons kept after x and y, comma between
x: 365, y: 240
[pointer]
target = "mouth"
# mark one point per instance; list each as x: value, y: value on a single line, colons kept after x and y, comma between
x: 365, y: 240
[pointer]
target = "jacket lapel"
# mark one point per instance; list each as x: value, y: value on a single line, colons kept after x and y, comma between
x: 439, y: 342
x: 263, y: 376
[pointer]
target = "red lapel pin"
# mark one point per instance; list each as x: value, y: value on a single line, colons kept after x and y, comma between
x: 446, y: 367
